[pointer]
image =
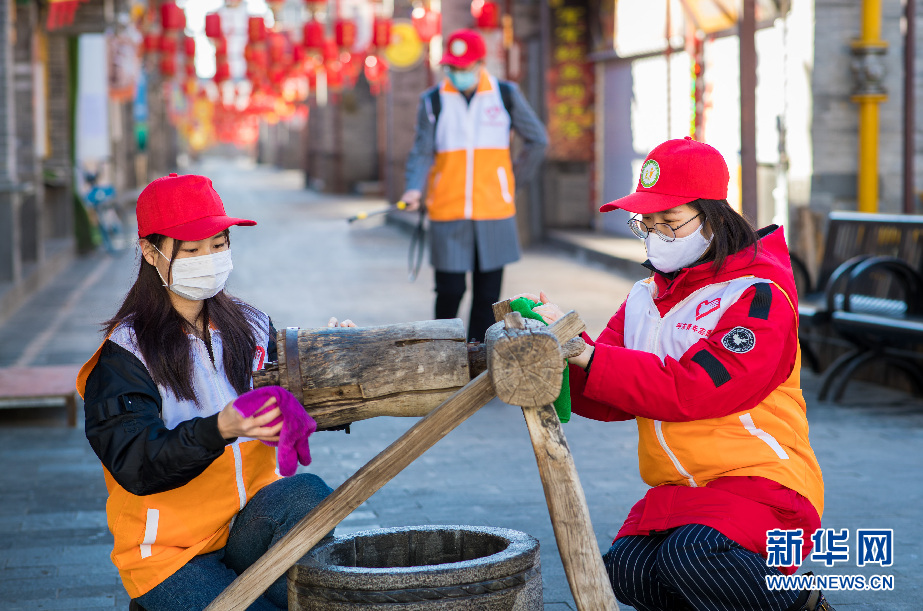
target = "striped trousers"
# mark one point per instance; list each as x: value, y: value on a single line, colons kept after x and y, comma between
x: 692, y: 567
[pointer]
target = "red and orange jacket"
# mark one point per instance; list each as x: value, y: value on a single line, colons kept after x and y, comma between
x: 175, y: 484
x: 709, y: 367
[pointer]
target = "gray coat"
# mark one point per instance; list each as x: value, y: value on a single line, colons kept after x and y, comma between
x: 453, y: 243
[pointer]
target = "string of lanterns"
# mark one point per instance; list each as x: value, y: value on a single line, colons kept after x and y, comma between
x: 285, y: 65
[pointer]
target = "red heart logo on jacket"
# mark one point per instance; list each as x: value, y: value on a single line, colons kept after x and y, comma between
x: 707, y: 307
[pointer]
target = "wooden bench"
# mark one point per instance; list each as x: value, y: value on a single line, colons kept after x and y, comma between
x: 46, y: 386
x: 851, y: 238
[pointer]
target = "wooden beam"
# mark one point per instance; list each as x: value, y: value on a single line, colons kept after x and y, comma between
x: 352, y: 493
x: 570, y: 517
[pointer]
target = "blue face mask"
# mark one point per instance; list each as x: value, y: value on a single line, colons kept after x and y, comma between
x: 464, y: 80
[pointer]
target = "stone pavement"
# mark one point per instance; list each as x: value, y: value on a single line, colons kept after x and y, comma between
x: 302, y: 264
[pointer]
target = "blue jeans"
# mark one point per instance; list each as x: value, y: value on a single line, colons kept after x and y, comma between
x: 271, y: 513
x: 691, y: 567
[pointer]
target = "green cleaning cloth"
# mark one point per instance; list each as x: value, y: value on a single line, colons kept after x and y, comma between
x: 562, y: 403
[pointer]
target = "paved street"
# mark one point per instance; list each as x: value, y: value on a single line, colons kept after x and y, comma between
x: 302, y: 264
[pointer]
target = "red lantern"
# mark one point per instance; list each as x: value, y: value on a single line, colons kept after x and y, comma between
x: 381, y: 32
x: 213, y: 25
x: 476, y: 7
x: 489, y: 19
x: 167, y: 45
x: 277, y: 76
x: 258, y: 58
x: 151, y: 42
x: 221, y: 46
x: 256, y: 28
x: 277, y: 44
x: 168, y: 65
x: 350, y: 66
x: 189, y: 46
x: 334, y: 75
x: 427, y: 23
x: 314, y: 35
x: 298, y: 55
x: 376, y: 73
x: 345, y: 33
x: 172, y: 17
x: 330, y: 51
x: 222, y: 72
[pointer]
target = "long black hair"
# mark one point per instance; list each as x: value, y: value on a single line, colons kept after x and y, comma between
x: 162, y: 334
x: 731, y: 231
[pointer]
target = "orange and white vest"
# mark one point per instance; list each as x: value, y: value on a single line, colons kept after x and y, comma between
x: 472, y: 173
x: 769, y: 440
x: 156, y: 534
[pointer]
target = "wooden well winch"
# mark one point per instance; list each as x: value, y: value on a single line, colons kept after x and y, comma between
x: 342, y: 375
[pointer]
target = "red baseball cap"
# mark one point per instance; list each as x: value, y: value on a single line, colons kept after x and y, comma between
x: 183, y: 208
x: 675, y: 173
x: 463, y: 48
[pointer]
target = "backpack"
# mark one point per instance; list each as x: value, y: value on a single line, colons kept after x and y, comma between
x: 435, y: 103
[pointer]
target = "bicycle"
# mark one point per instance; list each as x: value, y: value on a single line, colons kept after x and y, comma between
x: 101, y: 200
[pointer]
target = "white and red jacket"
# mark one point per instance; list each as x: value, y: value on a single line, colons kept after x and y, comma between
x: 472, y: 172
x: 709, y: 367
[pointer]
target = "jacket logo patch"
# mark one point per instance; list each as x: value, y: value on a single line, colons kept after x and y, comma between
x: 739, y: 340
x: 707, y: 307
x: 493, y: 115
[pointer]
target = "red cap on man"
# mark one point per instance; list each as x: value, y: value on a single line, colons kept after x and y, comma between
x: 183, y: 208
x: 675, y: 173
x: 463, y: 48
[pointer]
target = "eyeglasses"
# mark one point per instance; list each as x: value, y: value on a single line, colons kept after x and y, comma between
x: 662, y: 230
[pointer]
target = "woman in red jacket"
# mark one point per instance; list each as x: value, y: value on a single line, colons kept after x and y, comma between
x: 704, y: 356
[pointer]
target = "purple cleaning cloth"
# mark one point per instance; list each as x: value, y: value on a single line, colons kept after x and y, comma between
x: 297, y: 425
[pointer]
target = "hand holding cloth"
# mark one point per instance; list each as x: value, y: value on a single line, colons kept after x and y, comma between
x: 297, y: 425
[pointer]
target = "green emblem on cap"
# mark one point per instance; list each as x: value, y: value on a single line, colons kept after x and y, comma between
x: 650, y: 173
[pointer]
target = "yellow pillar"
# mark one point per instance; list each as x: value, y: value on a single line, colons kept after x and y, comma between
x: 869, y: 93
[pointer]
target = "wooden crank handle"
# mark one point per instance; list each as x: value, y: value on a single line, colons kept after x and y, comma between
x: 352, y: 493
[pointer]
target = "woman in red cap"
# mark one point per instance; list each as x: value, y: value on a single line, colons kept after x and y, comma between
x: 194, y: 497
x: 703, y: 355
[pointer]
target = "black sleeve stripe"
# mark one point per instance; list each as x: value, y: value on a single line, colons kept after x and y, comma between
x: 712, y: 366
x: 759, y: 307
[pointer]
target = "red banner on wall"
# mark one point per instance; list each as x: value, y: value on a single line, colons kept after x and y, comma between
x: 570, y: 83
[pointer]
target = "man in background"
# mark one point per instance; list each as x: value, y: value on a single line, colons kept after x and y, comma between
x: 462, y: 154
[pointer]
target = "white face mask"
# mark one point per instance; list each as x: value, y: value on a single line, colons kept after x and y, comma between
x: 681, y: 252
x: 201, y: 277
